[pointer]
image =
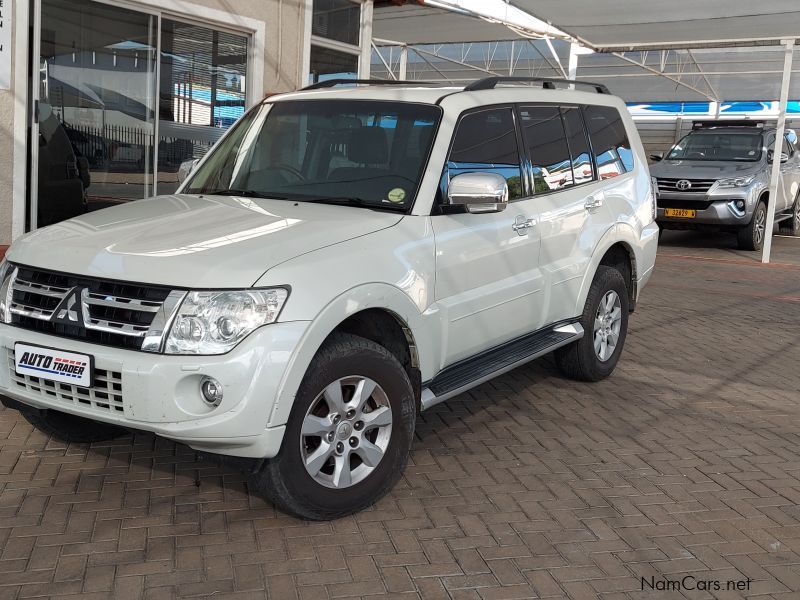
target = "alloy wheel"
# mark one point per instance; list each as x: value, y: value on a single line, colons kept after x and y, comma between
x: 346, y: 432
x: 607, y: 324
x: 760, y: 225
x: 797, y: 216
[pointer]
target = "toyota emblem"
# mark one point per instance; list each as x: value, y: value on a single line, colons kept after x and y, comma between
x: 683, y: 185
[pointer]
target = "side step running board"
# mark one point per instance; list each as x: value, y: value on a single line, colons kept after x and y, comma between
x: 482, y: 367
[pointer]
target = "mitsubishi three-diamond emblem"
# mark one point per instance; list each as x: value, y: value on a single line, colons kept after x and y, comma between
x: 69, y: 311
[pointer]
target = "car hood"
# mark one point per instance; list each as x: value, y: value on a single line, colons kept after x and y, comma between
x: 704, y: 169
x: 193, y: 241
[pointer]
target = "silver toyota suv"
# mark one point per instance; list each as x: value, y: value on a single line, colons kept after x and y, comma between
x: 718, y: 178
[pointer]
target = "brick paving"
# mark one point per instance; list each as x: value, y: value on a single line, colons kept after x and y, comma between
x: 685, y: 462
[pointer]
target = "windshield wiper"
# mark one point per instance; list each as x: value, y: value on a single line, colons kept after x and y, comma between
x: 349, y: 201
x: 244, y: 194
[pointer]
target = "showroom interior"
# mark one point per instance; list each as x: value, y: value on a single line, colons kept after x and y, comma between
x: 677, y: 475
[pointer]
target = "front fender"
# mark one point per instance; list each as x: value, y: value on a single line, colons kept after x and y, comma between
x: 373, y: 295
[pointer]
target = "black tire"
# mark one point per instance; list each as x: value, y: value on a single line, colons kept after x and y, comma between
x: 751, y: 236
x: 285, y: 480
x: 791, y: 226
x: 72, y: 429
x: 579, y: 360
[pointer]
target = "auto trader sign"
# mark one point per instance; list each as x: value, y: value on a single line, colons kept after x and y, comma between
x: 6, y: 8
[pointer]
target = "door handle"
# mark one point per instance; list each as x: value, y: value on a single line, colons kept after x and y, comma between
x: 521, y: 224
x: 593, y: 203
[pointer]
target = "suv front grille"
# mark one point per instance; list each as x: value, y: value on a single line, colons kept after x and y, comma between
x: 690, y: 204
x: 97, y: 311
x: 697, y: 186
x: 104, y: 395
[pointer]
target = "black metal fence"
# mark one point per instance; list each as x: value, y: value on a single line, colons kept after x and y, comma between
x: 121, y: 148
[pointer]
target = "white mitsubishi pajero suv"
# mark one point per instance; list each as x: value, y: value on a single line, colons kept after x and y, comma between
x: 343, y: 258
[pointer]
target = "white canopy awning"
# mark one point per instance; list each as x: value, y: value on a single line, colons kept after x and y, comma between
x: 414, y: 24
x: 617, y: 25
x: 607, y: 25
x: 688, y: 50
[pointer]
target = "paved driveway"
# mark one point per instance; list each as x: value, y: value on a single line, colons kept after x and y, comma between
x: 682, y: 469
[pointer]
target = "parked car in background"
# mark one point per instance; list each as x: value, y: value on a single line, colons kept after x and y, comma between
x: 341, y: 260
x: 717, y: 178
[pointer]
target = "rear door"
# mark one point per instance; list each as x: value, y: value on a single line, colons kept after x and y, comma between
x: 787, y: 183
x: 575, y: 203
x: 488, y: 282
x: 790, y: 173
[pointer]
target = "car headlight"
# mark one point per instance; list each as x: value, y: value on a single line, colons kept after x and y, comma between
x: 214, y: 322
x: 736, y: 181
x: 6, y: 271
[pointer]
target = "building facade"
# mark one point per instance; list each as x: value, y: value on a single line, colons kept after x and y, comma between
x: 102, y: 101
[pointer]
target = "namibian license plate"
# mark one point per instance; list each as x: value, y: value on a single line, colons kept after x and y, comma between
x: 681, y: 213
x: 54, y: 365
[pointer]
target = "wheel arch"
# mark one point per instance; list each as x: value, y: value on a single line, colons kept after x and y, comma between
x: 621, y: 256
x: 388, y: 329
x: 617, y: 249
x: 379, y: 312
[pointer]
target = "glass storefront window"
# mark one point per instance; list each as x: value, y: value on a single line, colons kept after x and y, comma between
x: 99, y: 99
x: 336, y: 20
x: 96, y: 108
x: 332, y: 64
x: 202, y: 93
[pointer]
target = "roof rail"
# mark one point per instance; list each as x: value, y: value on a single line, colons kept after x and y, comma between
x: 329, y: 83
x: 548, y: 83
x: 707, y: 123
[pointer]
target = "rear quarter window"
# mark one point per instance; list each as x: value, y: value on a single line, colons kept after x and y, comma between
x: 612, y: 149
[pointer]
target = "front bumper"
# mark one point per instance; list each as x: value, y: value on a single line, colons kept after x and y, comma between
x: 714, y: 209
x: 161, y: 394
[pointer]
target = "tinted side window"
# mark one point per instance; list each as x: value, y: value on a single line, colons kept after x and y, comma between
x: 547, y: 147
x: 578, y: 145
x: 487, y: 141
x: 612, y: 149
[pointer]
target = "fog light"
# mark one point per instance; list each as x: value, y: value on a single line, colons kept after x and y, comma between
x: 740, y: 204
x: 211, y: 390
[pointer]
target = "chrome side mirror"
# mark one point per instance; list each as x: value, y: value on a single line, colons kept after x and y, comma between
x: 656, y: 156
x: 479, y: 192
x: 186, y: 168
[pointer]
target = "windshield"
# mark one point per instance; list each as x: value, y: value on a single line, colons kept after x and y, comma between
x: 718, y: 145
x: 366, y: 153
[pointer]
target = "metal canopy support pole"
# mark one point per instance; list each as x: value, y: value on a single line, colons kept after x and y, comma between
x: 403, y: 62
x: 365, y: 62
x: 422, y: 53
x: 776, y: 155
x: 389, y: 71
x: 573, y: 61
x: 555, y: 55
x: 676, y: 78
